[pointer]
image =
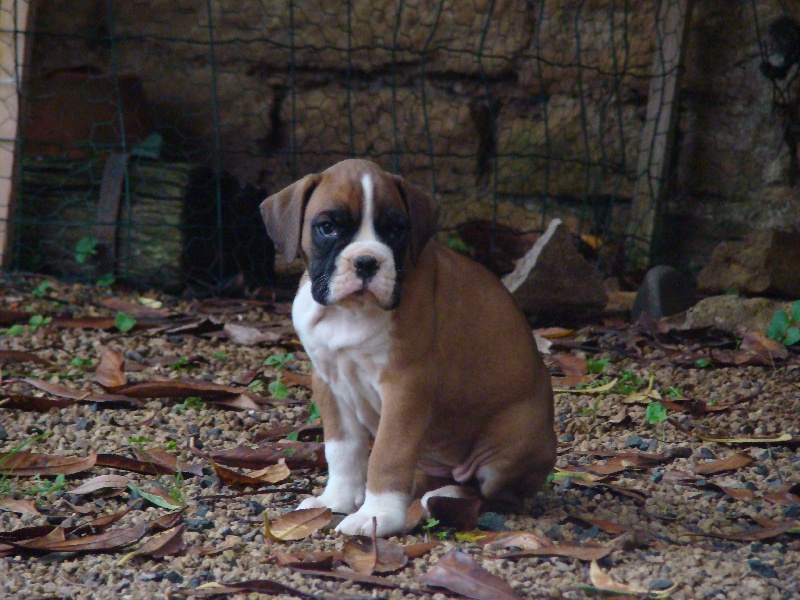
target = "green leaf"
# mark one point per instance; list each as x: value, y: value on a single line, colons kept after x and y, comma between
x: 85, y: 248
x: 702, y: 363
x: 313, y: 413
x: 194, y: 402
x: 157, y: 500
x: 780, y: 323
x: 37, y: 321
x: 220, y: 356
x: 796, y: 312
x: 278, y: 389
x: 79, y: 362
x: 279, y: 361
x: 40, y: 290
x: 656, y: 413
x: 171, y: 445
x: 792, y: 336
x: 292, y: 436
x: 596, y: 365
x: 124, y: 322
x: 106, y: 280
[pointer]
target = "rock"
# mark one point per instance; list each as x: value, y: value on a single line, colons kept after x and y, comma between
x: 730, y: 312
x: 660, y: 584
x: 765, y: 262
x: 665, y: 291
x: 634, y: 441
x: 553, y: 277
x: 492, y: 521
x: 3, y: 434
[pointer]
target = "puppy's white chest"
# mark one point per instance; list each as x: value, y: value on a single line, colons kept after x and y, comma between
x: 349, y: 347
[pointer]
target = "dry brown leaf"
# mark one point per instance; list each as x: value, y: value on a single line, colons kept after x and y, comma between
x: 459, y: 513
x: 240, y: 402
x: 603, y: 581
x: 109, y: 540
x: 566, y: 550
x: 29, y: 464
x: 270, y: 474
x: 459, y: 573
x: 20, y: 356
x: 570, y: 365
x: 524, y: 540
x: 782, y: 498
x: 57, y: 389
x: 34, y: 403
x: 273, y: 473
x: 414, y: 515
x: 554, y: 333
x: 22, y: 507
x: 757, y: 343
x: 110, y: 371
x: 607, y: 526
x: 27, y: 533
x: 297, y: 524
x: 347, y: 575
x: 165, y: 459
x: 164, y: 522
x: 785, y: 437
x: 368, y: 555
x: 735, y: 461
x: 166, y: 543
x: 179, y: 389
x: 298, y: 455
x: 101, y: 482
x: 755, y: 534
x: 124, y: 463
x: 292, y: 379
x: 230, y: 541
x: 260, y: 586
x: 413, y: 551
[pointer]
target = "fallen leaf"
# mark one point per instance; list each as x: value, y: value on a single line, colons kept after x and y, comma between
x: 101, y: 482
x: 292, y: 379
x: 156, y: 497
x: 297, y: 524
x: 304, y: 430
x: 524, y: 540
x: 165, y: 459
x: 27, y: 533
x: 164, y: 522
x: 20, y: 356
x: 298, y: 455
x: 369, y: 555
x: 554, y: 333
x: 570, y: 364
x: 414, y: 515
x: 62, y: 391
x: 249, y: 336
x: 607, y: 526
x: 179, y: 389
x: 643, y: 397
x: 348, y: 575
x: 603, y: 389
x: 459, y: 513
x: 261, y: 586
x: 110, y: 371
x: 731, y: 463
x: 131, y: 464
x: 785, y: 437
x: 21, y: 507
x: 566, y: 550
x: 166, y: 543
x: 782, y: 498
x: 755, y: 534
x: 29, y: 464
x: 240, y: 402
x: 230, y: 542
x: 146, y: 307
x: 109, y: 540
x: 270, y: 474
x: 35, y: 403
x: 459, y: 573
x: 413, y: 551
x: 757, y: 343
x: 99, y: 524
x: 603, y: 581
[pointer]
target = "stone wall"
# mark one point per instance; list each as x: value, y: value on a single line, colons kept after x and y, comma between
x: 516, y: 108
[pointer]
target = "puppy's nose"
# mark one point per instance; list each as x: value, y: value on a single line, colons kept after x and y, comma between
x: 366, y: 266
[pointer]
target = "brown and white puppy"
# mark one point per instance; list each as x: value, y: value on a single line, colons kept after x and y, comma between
x: 413, y: 345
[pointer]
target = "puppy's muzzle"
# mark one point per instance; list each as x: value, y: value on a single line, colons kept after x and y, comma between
x: 366, y: 267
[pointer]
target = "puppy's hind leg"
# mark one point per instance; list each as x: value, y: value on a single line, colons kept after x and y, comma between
x: 346, y: 451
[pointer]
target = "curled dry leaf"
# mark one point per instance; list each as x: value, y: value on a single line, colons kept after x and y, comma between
x: 270, y: 474
x: 22, y: 507
x: 413, y: 551
x: 56, y: 389
x: 230, y: 541
x: 778, y: 439
x: 166, y: 543
x: 459, y: 573
x: 131, y: 464
x: 101, y: 482
x: 603, y: 581
x: 249, y: 336
x: 34, y: 403
x: 109, y: 540
x: 29, y: 464
x: 370, y: 555
x: 20, y: 356
x: 525, y: 540
x: 735, y: 461
x: 782, y: 498
x: 414, y: 515
x: 165, y: 459
x: 261, y: 586
x: 566, y: 550
x: 179, y: 389
x: 607, y: 526
x: 110, y: 371
x: 298, y: 455
x: 297, y: 524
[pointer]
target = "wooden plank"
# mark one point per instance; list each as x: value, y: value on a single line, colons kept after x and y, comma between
x: 658, y: 133
x: 15, y: 16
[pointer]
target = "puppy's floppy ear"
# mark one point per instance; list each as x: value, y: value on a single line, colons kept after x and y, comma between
x: 423, y: 215
x: 283, y: 215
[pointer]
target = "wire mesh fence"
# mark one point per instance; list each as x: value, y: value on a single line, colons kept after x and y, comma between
x: 509, y: 112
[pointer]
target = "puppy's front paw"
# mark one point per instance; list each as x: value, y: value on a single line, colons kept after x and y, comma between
x: 338, y: 500
x: 388, y: 508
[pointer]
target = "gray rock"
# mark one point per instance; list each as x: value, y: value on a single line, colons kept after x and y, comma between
x: 660, y: 584
x: 765, y: 262
x: 633, y: 442
x: 664, y: 292
x: 3, y: 434
x: 492, y: 521
x: 553, y: 277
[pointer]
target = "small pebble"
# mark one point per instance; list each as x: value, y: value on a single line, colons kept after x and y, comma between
x: 134, y: 356
x: 660, y: 584
x: 193, y: 429
x: 3, y: 434
x: 553, y: 533
x: 706, y: 453
x: 762, y: 569
x: 567, y: 437
x: 656, y: 476
x: 492, y: 521
x: 84, y: 424
x: 634, y: 441
x: 259, y: 508
x: 173, y: 577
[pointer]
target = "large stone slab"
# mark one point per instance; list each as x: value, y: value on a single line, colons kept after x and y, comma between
x: 765, y: 262
x: 729, y: 313
x: 553, y: 277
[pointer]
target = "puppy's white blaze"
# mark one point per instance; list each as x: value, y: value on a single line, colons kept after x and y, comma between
x: 388, y: 508
x: 347, y: 475
x: 366, y: 232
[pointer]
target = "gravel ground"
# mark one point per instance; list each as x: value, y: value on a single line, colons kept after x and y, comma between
x: 662, y: 544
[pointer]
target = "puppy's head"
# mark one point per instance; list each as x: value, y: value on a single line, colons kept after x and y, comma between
x: 358, y: 228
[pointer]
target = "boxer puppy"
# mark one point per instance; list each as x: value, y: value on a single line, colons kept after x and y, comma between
x: 413, y: 345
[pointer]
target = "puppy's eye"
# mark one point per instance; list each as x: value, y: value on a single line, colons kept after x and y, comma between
x: 326, y: 229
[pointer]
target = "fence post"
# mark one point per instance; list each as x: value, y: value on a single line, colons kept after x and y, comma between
x: 658, y: 133
x: 15, y: 17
